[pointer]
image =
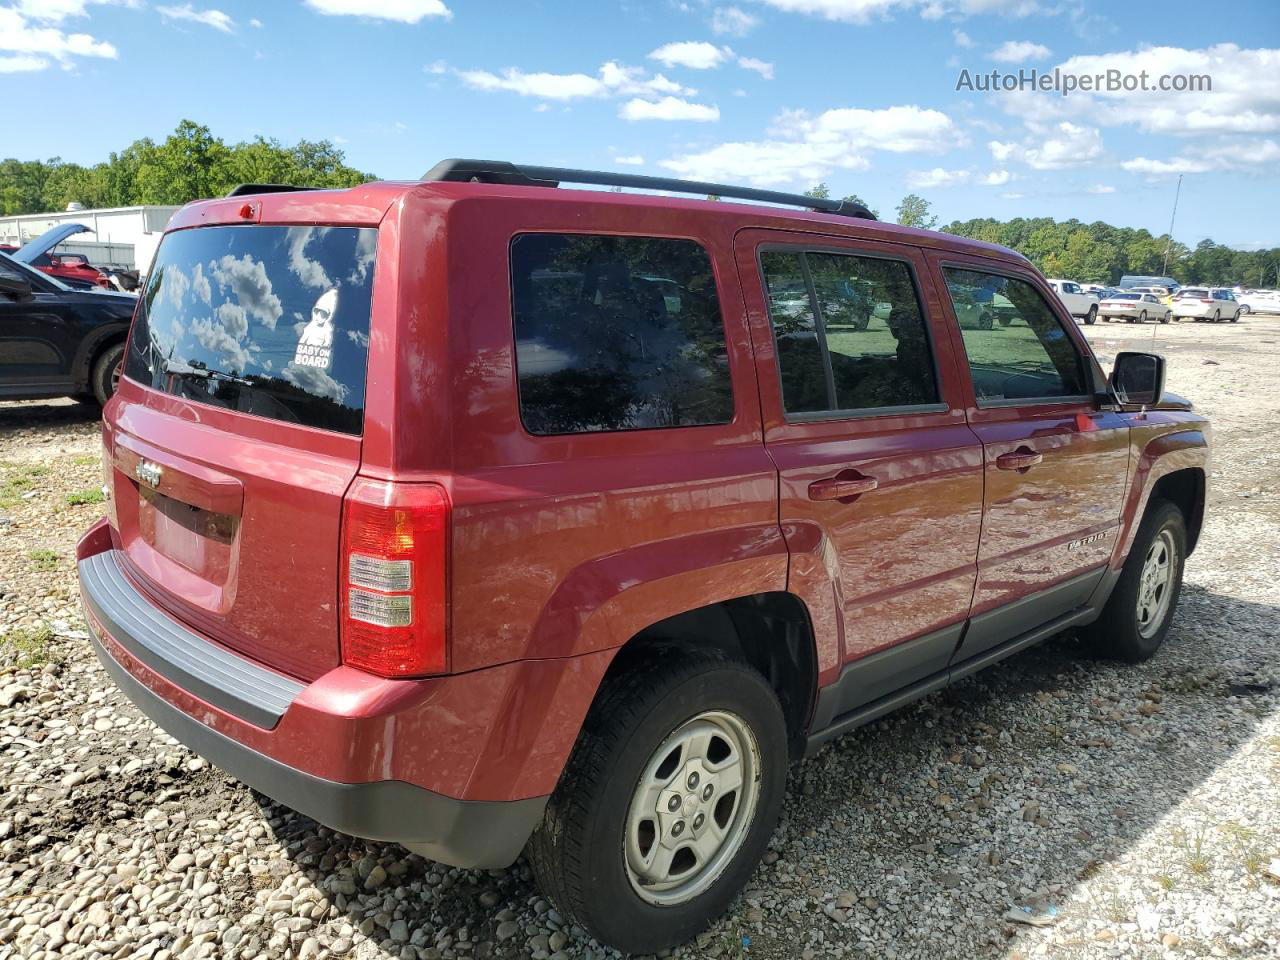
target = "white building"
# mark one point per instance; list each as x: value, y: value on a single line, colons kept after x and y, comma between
x: 122, y: 236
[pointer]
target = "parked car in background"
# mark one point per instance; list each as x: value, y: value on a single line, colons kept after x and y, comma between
x: 510, y: 632
x: 1129, y: 282
x: 73, y: 269
x: 1206, y: 303
x: 56, y: 341
x: 1079, y: 304
x: 1259, y: 301
x: 1133, y: 306
x: 1095, y: 289
x: 1161, y: 293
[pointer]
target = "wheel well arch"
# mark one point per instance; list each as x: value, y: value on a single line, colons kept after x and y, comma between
x: 1185, y: 489
x: 769, y: 631
x: 93, y: 350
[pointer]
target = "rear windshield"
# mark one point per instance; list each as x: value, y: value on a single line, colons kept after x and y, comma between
x: 270, y: 321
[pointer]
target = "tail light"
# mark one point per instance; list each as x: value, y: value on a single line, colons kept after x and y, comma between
x: 1203, y: 300
x: 394, y: 546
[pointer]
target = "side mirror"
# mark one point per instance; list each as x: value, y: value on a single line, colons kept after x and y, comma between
x: 15, y: 288
x: 1138, y: 378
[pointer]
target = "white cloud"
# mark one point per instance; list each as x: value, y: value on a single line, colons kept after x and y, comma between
x: 1246, y: 157
x: 401, y: 11
x: 255, y: 23
x: 1244, y: 96
x: 762, y: 67
x: 997, y: 178
x: 962, y: 39
x: 1052, y: 148
x: 33, y: 44
x: 21, y: 64
x: 694, y: 54
x: 865, y: 11
x: 55, y: 11
x: 210, y: 18
x: 1019, y: 51
x: 733, y: 21
x: 612, y: 79
x: 634, y: 160
x: 437, y: 67
x: 1100, y: 188
x: 669, y: 108
x: 937, y: 177
x: 804, y: 149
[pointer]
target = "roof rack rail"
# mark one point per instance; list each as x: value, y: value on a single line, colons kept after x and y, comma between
x: 248, y: 189
x: 526, y: 175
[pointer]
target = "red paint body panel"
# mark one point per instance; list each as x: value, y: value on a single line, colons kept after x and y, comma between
x: 564, y: 547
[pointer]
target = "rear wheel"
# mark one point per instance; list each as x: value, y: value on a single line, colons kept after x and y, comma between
x: 1164, y: 317
x: 106, y: 373
x: 1091, y: 316
x: 1236, y: 316
x: 668, y: 801
x: 985, y: 322
x: 1142, y: 317
x: 1136, y: 618
x: 1217, y: 316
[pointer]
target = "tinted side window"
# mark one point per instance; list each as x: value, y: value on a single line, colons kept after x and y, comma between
x: 849, y: 331
x: 1031, y: 358
x: 617, y: 333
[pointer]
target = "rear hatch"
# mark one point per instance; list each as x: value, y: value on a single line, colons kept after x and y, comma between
x: 237, y: 431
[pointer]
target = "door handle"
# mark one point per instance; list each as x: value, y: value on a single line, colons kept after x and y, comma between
x: 836, y: 488
x: 1020, y: 459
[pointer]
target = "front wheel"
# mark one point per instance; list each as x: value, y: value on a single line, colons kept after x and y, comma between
x: 1091, y: 316
x: 1136, y: 618
x: 668, y: 801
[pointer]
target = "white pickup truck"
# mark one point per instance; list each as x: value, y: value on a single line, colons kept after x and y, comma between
x: 1083, y: 306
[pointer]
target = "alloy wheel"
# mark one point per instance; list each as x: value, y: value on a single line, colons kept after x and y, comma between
x: 1155, y: 583
x: 692, y: 808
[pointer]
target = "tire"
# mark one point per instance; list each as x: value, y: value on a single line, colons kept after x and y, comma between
x: 1142, y: 317
x: 106, y: 372
x: 1244, y: 308
x: 1164, y: 317
x: 1121, y: 633
x: 1217, y: 316
x: 985, y: 322
x: 581, y: 853
x: 1235, y: 317
x: 1091, y: 316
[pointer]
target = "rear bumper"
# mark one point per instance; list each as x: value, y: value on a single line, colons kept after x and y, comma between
x: 359, y: 754
x: 458, y: 832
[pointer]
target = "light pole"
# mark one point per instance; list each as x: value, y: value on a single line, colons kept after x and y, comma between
x: 1164, y: 271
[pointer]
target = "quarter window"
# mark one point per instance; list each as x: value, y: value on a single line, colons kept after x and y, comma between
x: 1030, y: 357
x: 849, y: 331
x: 617, y: 333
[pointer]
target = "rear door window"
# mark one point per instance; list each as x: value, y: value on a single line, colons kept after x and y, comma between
x: 617, y: 333
x: 1031, y: 358
x: 265, y: 320
x: 850, y: 334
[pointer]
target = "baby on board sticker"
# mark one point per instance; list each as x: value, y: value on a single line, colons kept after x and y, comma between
x: 315, y: 346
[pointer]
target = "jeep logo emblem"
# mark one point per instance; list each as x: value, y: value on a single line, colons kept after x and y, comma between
x: 148, y: 472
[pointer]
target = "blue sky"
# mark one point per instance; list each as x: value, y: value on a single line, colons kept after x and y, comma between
x: 782, y: 93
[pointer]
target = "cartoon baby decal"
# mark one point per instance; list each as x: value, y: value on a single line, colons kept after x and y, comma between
x: 315, y: 346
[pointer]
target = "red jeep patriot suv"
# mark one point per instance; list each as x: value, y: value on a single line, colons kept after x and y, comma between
x: 484, y: 516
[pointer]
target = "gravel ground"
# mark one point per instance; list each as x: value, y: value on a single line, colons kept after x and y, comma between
x: 1135, y: 807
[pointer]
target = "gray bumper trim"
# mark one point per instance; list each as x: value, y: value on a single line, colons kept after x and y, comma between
x: 214, y: 674
x: 461, y: 833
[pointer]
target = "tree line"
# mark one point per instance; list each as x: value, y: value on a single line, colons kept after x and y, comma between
x: 191, y: 163
x: 1101, y: 253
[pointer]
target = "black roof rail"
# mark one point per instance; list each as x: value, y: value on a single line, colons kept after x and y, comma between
x: 248, y: 189
x: 527, y: 175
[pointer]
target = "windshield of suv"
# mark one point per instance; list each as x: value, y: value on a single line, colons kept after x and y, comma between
x: 270, y: 321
